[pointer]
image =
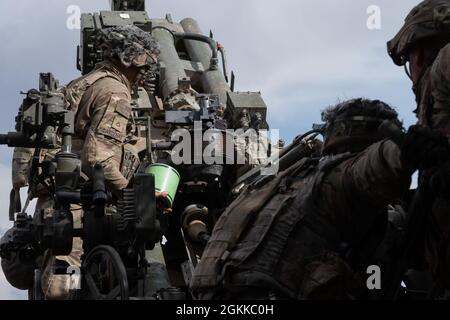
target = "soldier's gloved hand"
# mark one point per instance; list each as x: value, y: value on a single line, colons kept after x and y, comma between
x: 160, y: 203
x: 424, y: 148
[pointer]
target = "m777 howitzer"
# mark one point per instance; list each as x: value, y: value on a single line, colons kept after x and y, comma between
x: 192, y: 92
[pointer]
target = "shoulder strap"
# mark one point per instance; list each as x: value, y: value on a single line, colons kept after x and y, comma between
x: 230, y: 226
x: 75, y: 90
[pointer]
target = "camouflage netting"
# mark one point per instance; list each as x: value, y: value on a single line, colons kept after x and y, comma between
x: 374, y: 109
x: 353, y: 125
x: 130, y: 45
x: 429, y: 19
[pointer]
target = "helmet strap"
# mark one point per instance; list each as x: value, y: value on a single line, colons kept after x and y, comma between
x: 408, y: 73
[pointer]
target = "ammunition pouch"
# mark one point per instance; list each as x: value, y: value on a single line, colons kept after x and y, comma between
x: 130, y: 161
x: 21, y: 163
x: 329, y: 277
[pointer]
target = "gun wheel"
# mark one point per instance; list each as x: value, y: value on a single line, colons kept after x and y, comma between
x: 105, y: 276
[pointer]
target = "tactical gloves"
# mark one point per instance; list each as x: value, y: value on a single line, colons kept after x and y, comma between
x: 424, y: 148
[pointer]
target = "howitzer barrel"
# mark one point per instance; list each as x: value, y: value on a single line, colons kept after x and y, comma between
x: 173, y: 68
x: 213, y: 81
x: 173, y: 71
x: 16, y: 139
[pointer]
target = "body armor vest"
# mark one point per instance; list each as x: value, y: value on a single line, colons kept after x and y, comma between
x: 267, y: 244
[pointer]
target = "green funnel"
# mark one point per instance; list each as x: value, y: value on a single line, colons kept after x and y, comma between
x: 166, y: 180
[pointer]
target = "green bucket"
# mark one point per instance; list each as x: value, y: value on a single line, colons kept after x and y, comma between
x: 166, y: 180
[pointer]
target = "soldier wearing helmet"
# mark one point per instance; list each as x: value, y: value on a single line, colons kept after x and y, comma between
x: 311, y: 232
x: 102, y: 100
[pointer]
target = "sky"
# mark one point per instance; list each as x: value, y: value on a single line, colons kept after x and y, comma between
x: 302, y: 55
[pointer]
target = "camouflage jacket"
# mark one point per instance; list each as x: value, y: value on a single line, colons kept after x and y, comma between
x: 102, y: 101
x: 288, y: 233
x: 433, y: 94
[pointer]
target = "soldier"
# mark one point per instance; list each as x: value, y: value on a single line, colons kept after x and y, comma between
x: 311, y: 232
x: 423, y: 43
x: 102, y: 102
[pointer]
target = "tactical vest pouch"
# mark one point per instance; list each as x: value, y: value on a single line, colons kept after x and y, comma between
x: 130, y: 161
x: 21, y: 162
x: 327, y: 278
x: 265, y: 219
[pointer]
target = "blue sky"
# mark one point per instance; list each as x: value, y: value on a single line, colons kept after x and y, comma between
x: 303, y: 55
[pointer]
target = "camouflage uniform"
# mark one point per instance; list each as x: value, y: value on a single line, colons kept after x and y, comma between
x: 431, y: 19
x: 307, y: 234
x: 433, y: 94
x: 102, y: 101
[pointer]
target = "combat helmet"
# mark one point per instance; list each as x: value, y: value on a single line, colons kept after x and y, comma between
x: 129, y: 45
x: 429, y: 19
x: 352, y: 126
